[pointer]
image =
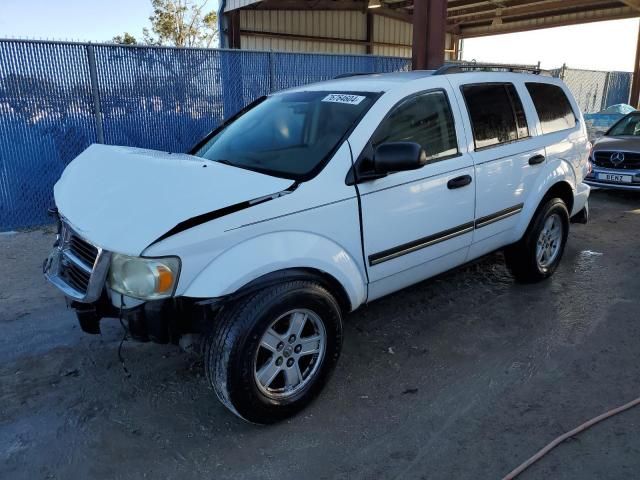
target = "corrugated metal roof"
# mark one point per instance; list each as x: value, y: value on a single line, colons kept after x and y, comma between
x: 464, y: 17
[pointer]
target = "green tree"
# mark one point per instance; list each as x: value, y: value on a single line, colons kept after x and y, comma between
x: 178, y: 23
x: 182, y: 23
x: 125, y: 39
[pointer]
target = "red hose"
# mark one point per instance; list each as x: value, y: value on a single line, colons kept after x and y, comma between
x: 513, y: 474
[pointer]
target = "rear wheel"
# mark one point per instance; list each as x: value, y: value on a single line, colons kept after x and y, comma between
x: 271, y: 353
x: 537, y: 255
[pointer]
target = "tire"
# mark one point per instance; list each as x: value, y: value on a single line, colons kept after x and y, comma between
x: 243, y: 350
x: 522, y: 257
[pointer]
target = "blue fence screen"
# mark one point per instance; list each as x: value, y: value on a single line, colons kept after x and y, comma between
x: 58, y: 98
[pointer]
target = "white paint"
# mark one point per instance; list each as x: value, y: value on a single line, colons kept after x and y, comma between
x: 123, y: 199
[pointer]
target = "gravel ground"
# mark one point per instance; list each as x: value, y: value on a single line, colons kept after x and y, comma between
x: 463, y: 376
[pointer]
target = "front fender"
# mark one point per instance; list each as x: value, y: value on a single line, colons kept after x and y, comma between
x: 258, y: 256
x: 555, y: 171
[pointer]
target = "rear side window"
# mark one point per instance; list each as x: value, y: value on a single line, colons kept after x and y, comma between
x: 553, y: 107
x: 496, y: 114
x: 425, y: 119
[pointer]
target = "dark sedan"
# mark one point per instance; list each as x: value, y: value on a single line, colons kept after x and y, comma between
x: 615, y: 157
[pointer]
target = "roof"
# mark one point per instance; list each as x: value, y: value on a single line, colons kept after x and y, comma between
x: 472, y: 18
x: 384, y: 82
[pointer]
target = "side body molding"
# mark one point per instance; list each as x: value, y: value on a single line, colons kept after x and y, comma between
x: 258, y: 256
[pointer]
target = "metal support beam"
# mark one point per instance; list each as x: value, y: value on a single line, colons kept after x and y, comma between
x: 369, y: 33
x: 233, y: 28
x: 541, y: 8
x: 635, y: 4
x: 634, y: 100
x: 93, y: 78
x: 589, y: 16
x: 429, y: 30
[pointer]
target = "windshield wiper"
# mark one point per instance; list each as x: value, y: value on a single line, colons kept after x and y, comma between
x: 224, y: 162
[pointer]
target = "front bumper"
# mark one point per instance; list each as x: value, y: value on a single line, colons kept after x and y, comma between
x: 79, y: 270
x: 594, y: 181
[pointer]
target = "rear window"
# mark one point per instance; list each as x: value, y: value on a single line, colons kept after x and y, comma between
x: 553, y: 107
x: 496, y: 114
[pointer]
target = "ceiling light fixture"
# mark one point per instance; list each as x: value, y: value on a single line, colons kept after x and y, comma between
x: 374, y: 4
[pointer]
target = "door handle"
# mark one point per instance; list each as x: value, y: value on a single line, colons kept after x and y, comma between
x: 536, y: 159
x: 459, y: 182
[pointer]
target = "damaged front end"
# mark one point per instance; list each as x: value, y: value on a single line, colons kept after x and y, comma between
x: 80, y: 270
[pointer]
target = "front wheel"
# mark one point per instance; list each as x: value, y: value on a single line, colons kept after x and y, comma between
x: 271, y: 353
x: 537, y: 255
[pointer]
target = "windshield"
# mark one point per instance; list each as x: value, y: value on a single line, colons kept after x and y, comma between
x: 628, y: 126
x: 288, y: 135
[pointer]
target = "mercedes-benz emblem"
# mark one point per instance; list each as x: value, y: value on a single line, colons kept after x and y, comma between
x: 617, y: 158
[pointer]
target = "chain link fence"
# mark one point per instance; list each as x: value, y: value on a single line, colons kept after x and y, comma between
x: 595, y: 90
x: 58, y: 98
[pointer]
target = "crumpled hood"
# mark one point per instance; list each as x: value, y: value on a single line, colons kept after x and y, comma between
x: 124, y: 198
x: 624, y: 144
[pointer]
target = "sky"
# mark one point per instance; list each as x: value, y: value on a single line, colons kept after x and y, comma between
x: 598, y: 46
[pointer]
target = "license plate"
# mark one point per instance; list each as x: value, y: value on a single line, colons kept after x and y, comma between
x: 612, y: 177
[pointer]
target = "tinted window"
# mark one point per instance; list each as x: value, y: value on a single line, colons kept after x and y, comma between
x: 496, y: 114
x: 553, y: 107
x: 425, y: 119
x: 289, y: 134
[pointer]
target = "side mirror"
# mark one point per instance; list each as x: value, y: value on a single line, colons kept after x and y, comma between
x: 398, y: 157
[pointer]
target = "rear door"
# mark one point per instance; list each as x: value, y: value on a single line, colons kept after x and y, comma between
x: 507, y: 156
x: 561, y: 133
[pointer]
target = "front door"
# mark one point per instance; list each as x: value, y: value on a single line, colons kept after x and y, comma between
x: 418, y: 223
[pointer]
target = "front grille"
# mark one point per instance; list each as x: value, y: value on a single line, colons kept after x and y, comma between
x: 631, y: 160
x: 83, y: 250
x: 75, y: 276
x: 77, y: 267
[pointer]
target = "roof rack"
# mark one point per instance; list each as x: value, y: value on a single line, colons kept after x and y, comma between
x: 469, y: 67
x: 354, y: 74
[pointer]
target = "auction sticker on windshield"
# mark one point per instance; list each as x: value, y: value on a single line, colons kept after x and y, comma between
x: 343, y: 98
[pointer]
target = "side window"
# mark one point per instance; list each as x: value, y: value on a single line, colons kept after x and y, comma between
x: 496, y: 114
x: 425, y: 119
x: 553, y: 107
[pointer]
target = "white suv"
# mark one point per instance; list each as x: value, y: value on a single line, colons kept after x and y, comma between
x: 310, y: 203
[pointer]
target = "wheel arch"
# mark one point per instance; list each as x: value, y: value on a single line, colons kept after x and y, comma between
x: 325, y: 279
x: 558, y: 180
x: 277, y: 257
x: 561, y: 190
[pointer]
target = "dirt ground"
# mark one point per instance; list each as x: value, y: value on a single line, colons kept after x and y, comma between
x: 464, y: 376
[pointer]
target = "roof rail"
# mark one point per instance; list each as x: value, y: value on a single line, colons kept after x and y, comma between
x: 470, y: 67
x: 354, y: 74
